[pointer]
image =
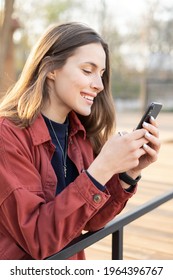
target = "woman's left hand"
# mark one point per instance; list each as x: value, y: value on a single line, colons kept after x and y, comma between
x: 152, y: 147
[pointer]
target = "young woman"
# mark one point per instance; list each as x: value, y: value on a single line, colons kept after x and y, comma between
x: 61, y: 162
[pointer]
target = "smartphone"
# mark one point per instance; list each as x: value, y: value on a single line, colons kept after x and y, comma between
x: 152, y: 110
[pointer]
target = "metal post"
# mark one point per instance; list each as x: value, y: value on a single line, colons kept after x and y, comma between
x: 117, y: 244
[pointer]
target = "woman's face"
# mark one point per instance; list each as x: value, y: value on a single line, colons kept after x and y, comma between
x: 76, y: 85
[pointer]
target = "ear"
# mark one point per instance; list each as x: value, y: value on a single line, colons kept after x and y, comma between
x: 51, y: 75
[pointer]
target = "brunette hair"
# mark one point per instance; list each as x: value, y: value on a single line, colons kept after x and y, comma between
x: 24, y: 101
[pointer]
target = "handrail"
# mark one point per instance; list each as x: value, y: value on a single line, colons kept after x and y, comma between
x: 112, y: 227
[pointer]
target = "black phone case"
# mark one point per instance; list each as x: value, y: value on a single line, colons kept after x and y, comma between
x: 152, y: 110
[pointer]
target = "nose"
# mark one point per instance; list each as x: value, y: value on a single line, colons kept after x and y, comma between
x: 97, y: 83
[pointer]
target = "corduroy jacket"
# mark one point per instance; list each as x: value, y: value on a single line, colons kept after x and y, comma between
x: 34, y: 222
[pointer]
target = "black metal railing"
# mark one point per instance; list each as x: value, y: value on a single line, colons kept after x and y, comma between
x: 115, y: 227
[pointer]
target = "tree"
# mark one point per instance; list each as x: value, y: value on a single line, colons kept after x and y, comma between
x: 5, y: 35
x: 153, y: 43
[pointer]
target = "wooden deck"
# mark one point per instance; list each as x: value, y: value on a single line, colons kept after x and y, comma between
x: 151, y: 236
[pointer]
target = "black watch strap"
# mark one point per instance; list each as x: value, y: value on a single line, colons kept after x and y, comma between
x: 129, y: 180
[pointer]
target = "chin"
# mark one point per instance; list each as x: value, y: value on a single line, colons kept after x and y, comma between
x: 84, y: 113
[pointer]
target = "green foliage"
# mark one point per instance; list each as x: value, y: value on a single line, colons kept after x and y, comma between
x: 59, y: 10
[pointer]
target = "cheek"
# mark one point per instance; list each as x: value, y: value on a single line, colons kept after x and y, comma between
x: 62, y: 85
x: 78, y: 79
x: 70, y: 82
x: 77, y: 84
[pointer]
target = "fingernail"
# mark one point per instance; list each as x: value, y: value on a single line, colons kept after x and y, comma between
x: 145, y: 146
x: 147, y: 134
x: 152, y: 118
x: 145, y: 124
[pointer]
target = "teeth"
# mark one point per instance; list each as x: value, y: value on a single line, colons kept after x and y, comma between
x: 88, y: 97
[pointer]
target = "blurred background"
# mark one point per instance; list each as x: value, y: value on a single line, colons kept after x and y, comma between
x: 139, y: 34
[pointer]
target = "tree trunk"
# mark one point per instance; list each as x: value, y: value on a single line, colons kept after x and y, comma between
x: 5, y: 34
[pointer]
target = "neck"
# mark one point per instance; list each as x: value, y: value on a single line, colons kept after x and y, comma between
x: 54, y: 111
x: 54, y: 117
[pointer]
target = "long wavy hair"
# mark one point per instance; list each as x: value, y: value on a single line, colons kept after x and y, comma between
x: 24, y: 101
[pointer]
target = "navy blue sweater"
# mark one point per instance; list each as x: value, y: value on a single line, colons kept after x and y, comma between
x: 57, y: 159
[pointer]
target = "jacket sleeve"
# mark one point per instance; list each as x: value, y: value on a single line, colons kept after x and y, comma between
x: 115, y: 204
x: 39, y: 227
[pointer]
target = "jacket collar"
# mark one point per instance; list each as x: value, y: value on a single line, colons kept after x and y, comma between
x: 76, y: 125
x: 40, y: 134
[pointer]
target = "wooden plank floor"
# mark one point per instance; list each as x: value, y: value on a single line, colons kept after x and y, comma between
x: 151, y: 236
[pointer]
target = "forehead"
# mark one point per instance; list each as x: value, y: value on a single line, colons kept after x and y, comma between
x: 90, y: 53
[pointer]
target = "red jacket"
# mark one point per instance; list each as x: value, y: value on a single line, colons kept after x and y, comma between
x: 34, y: 223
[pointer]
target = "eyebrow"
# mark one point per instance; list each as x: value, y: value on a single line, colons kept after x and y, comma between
x: 94, y: 65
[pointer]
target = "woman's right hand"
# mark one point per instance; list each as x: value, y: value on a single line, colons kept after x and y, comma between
x: 120, y: 153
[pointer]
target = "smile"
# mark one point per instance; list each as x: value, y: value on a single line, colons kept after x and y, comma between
x: 88, y: 97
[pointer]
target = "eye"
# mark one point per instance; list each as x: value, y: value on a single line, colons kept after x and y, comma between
x: 86, y: 71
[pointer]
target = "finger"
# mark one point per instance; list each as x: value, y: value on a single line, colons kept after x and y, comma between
x: 151, y: 128
x: 137, y: 134
x: 153, y: 140
x: 153, y: 154
x: 153, y: 121
x: 142, y: 151
x: 139, y: 143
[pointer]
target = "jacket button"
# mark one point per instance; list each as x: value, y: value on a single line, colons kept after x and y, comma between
x: 97, y: 198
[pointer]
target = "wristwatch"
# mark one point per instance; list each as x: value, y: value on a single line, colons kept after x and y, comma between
x: 129, y: 180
